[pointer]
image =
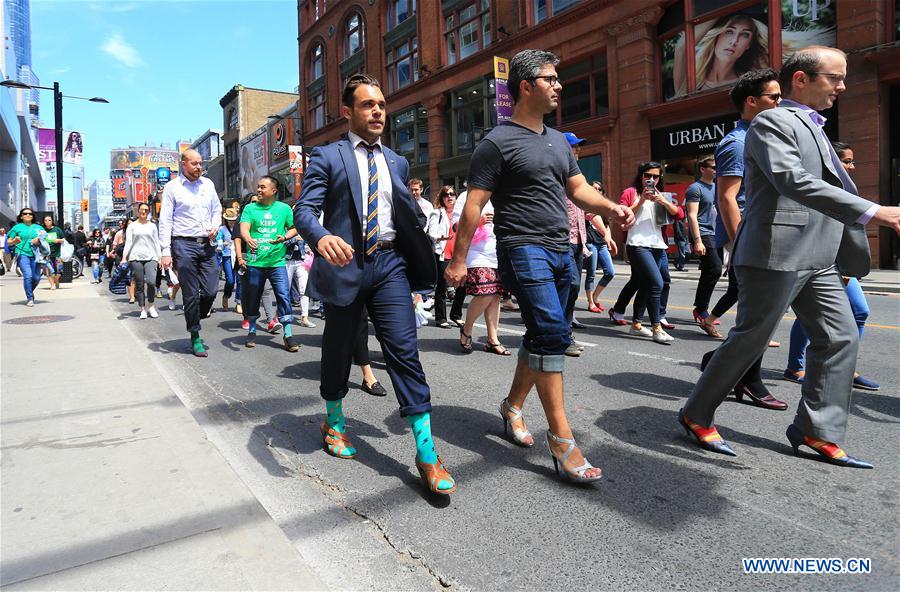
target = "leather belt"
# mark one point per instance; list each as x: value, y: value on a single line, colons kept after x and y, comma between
x: 194, y: 239
x: 384, y: 246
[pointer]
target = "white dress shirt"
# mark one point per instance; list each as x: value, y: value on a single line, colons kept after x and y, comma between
x: 386, y: 230
x: 189, y: 208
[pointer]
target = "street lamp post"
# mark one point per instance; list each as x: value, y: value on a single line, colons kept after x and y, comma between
x: 58, y: 132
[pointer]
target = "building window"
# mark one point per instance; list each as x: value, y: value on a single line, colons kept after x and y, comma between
x: 353, y: 35
x: 585, y: 92
x: 409, y: 134
x: 317, y: 110
x: 399, y: 11
x: 318, y: 9
x: 544, y: 9
x: 233, y: 170
x: 317, y: 62
x: 467, y: 30
x: 473, y: 115
x: 403, y: 65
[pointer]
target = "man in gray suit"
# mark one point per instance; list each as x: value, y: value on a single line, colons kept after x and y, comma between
x: 805, y: 219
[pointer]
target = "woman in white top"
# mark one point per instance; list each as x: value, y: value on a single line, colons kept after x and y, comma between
x: 142, y: 252
x: 438, y: 229
x: 646, y: 247
x: 482, y: 281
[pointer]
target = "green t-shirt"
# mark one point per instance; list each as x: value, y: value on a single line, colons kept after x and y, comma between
x: 53, y: 234
x: 267, y: 223
x: 27, y: 232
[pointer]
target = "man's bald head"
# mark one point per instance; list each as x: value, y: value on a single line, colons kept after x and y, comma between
x: 191, y: 164
x: 814, y: 76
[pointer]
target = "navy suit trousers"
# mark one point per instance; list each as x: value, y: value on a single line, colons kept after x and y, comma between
x: 385, y: 293
x: 198, y: 274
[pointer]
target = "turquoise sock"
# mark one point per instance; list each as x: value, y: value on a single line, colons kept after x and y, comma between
x: 425, y: 453
x: 288, y: 330
x: 335, y: 410
x: 196, y: 344
x: 252, y: 328
x: 335, y: 419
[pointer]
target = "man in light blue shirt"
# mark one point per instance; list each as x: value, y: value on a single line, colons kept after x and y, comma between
x: 188, y: 222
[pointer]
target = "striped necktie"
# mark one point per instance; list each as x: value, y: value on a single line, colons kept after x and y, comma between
x: 372, y: 209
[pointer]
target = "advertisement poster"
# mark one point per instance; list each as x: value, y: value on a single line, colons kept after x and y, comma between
x: 729, y: 46
x: 136, y: 158
x: 282, y: 134
x: 807, y: 22
x: 46, y: 145
x: 253, y: 162
x: 504, y: 100
x: 73, y: 148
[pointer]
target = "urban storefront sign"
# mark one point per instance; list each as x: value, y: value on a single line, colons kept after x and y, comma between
x: 690, y: 139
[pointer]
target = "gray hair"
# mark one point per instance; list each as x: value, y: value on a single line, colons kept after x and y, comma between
x: 526, y: 65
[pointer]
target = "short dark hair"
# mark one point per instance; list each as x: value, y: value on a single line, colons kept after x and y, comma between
x: 526, y: 65
x: 638, y: 183
x: 808, y: 60
x: 751, y: 84
x: 355, y: 81
x: 840, y: 147
x: 272, y: 179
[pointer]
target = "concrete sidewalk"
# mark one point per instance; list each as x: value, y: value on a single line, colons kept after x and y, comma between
x: 878, y: 280
x: 108, y: 482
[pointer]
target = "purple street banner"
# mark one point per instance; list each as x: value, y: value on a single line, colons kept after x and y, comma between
x: 46, y: 145
x: 504, y: 100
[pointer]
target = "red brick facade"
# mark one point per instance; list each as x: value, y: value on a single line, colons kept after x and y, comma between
x: 626, y: 32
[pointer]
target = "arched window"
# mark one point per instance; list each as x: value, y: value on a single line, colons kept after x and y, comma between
x: 317, y: 62
x: 354, y: 35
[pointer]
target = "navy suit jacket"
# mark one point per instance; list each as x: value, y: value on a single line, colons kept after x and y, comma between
x: 331, y: 184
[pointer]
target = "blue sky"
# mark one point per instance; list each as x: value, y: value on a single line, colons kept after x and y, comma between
x: 162, y: 64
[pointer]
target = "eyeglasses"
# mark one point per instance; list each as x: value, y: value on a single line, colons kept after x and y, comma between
x: 709, y: 166
x: 28, y: 213
x: 449, y: 194
x: 650, y: 176
x: 836, y: 78
x: 551, y: 80
x: 848, y: 161
x: 774, y: 96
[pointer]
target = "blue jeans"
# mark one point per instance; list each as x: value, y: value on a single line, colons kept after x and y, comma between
x: 577, y: 252
x: 96, y: 269
x: 601, y: 258
x: 799, y: 339
x: 228, y: 268
x: 631, y: 287
x: 31, y: 274
x: 256, y: 278
x: 540, y: 279
x: 647, y: 270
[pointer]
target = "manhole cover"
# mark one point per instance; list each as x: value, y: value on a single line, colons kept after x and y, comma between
x: 37, y: 320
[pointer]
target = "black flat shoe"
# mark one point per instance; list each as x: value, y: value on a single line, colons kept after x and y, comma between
x: 827, y: 451
x: 376, y: 390
x: 716, y: 444
x: 759, y: 397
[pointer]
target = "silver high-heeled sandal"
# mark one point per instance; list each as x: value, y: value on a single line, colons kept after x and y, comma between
x: 518, y: 435
x: 577, y: 474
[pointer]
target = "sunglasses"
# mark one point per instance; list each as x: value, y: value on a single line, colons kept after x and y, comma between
x: 28, y: 213
x: 848, y: 161
x: 650, y: 176
x: 774, y: 96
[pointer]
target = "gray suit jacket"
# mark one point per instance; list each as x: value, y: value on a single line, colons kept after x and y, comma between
x: 798, y: 215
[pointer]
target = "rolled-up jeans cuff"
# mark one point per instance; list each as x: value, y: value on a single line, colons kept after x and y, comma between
x: 543, y: 363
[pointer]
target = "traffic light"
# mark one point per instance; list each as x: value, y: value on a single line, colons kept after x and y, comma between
x: 84, y: 205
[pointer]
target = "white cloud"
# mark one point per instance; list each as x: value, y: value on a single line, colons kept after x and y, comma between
x: 122, y: 51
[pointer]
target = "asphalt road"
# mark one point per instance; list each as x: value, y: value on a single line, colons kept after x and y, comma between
x: 666, y: 514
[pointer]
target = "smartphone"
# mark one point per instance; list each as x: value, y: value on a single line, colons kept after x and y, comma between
x: 649, y: 184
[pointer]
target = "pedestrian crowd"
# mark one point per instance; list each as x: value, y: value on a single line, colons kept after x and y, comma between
x: 774, y: 209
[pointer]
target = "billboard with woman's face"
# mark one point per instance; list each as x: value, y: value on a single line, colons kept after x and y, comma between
x: 729, y: 46
x: 73, y: 148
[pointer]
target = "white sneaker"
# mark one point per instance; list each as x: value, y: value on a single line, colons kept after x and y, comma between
x: 169, y: 293
x: 640, y: 330
x: 152, y: 312
x: 29, y: 303
x: 171, y: 305
x: 660, y: 336
x: 143, y: 314
x: 305, y: 322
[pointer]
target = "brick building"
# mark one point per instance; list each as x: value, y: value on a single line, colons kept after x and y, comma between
x: 246, y: 110
x: 638, y: 78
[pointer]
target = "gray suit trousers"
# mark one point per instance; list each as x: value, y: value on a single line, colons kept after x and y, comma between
x: 820, y: 302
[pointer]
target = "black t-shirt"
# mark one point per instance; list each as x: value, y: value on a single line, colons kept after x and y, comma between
x: 526, y: 173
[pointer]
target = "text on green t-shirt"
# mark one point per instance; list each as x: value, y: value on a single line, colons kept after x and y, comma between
x: 266, y: 224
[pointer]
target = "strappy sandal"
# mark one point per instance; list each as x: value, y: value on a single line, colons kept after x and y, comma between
x: 512, y: 416
x: 432, y: 474
x: 465, y: 342
x: 496, y: 348
x: 709, y: 329
x: 575, y: 475
x: 334, y: 442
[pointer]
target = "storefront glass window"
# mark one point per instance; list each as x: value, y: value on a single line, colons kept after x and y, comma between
x: 473, y: 115
x: 409, y: 134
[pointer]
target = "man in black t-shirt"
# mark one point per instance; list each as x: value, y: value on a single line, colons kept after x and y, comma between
x: 527, y: 170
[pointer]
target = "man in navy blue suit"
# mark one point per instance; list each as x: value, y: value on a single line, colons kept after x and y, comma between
x: 372, y: 252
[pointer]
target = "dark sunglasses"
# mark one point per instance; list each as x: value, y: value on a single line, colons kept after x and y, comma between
x: 28, y: 213
x: 774, y: 96
x: 650, y: 176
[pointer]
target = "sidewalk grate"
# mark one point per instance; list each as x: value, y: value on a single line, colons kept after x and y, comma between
x: 37, y: 320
